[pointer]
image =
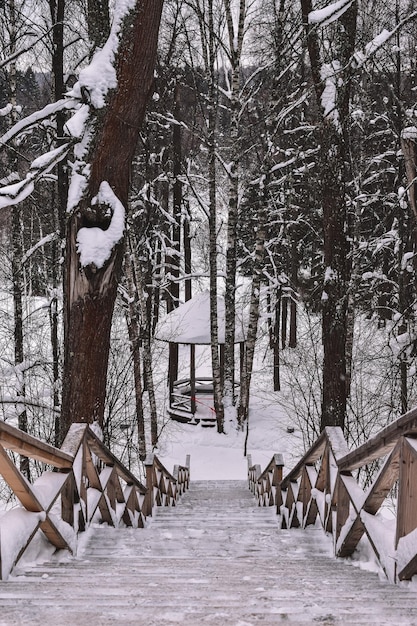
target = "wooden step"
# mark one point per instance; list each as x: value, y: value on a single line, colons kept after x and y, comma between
x: 216, y: 558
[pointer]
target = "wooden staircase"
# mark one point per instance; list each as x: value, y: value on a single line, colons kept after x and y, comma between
x: 216, y: 558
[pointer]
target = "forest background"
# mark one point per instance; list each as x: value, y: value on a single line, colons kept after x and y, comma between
x: 275, y: 166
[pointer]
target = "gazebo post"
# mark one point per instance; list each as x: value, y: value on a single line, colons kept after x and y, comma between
x: 172, y: 368
x: 192, y: 378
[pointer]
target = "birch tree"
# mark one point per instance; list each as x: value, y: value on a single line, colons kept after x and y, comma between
x: 234, y: 53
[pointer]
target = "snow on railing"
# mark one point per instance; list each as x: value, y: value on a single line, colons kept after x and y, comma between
x: 325, y: 486
x: 88, y: 485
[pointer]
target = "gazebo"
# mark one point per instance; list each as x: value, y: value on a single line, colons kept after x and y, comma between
x: 189, y: 324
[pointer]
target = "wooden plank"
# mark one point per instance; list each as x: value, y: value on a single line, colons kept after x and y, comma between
x: 104, y: 508
x: 68, y: 497
x: 370, y: 503
x: 304, y: 492
x: 292, y: 496
x: 18, y: 483
x: 23, y: 490
x: 381, y: 444
x: 383, y: 482
x: 12, y: 438
x: 53, y: 535
x: 407, y: 491
x: 351, y: 539
x: 409, y: 570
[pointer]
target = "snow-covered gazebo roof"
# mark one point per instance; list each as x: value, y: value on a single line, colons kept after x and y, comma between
x: 190, y: 322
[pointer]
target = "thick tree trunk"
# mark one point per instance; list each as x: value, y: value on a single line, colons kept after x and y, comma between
x: 91, y: 290
x: 336, y: 173
x: 336, y: 282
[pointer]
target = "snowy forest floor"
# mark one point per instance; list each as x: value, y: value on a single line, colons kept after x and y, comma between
x: 221, y: 456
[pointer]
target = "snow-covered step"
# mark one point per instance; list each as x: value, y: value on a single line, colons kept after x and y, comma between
x: 216, y: 558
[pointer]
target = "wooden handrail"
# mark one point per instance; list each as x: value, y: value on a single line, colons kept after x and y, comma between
x: 91, y: 485
x: 14, y: 439
x: 330, y: 436
x: 322, y: 487
x: 382, y: 443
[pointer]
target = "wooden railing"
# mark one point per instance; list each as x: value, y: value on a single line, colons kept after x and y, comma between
x: 266, y: 485
x: 326, y: 485
x: 88, y: 485
x: 163, y: 488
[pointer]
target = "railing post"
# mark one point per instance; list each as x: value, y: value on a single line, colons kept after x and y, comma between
x: 149, y: 498
x: 187, y: 465
x: 407, y: 498
x: 276, y: 480
x: 68, y: 500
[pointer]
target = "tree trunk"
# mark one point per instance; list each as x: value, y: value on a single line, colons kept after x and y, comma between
x: 408, y: 243
x: 334, y: 155
x: 336, y: 281
x: 91, y: 288
x: 215, y: 357
x: 173, y: 261
x: 57, y: 11
x: 235, y: 45
x: 133, y: 326
x: 277, y: 380
x: 292, y: 343
x: 17, y: 256
x: 98, y: 22
x: 243, y: 408
x: 284, y: 320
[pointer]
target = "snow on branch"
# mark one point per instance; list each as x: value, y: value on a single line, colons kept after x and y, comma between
x: 94, y: 244
x: 6, y: 110
x: 323, y: 17
x: 361, y: 57
x: 15, y: 193
x: 38, y: 116
x: 42, y: 242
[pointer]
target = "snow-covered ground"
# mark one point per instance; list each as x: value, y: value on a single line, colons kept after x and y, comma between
x: 221, y: 456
